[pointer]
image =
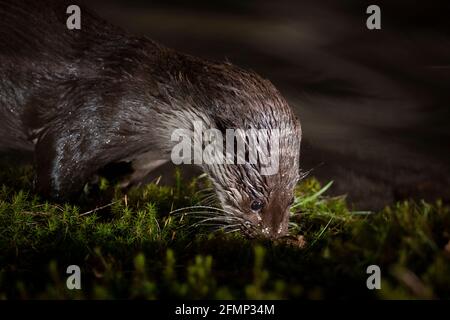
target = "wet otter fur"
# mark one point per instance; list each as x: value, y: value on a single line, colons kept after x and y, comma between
x: 83, y: 99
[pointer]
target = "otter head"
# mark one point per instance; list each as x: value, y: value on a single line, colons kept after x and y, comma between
x: 256, y: 195
x: 255, y: 139
x: 256, y: 189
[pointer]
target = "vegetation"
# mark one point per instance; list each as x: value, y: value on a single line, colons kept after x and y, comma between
x: 130, y: 247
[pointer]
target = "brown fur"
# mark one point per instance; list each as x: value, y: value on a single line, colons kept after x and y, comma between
x: 84, y: 99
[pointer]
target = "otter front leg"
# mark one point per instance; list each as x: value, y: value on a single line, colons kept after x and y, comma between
x: 64, y: 164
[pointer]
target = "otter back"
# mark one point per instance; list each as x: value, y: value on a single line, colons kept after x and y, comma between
x: 66, y: 93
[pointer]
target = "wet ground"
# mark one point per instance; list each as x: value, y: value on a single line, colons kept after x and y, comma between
x: 374, y: 105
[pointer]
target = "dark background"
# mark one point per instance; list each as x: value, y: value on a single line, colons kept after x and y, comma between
x: 374, y: 105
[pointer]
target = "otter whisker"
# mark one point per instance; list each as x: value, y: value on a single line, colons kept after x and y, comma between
x: 203, y: 214
x: 219, y: 226
x: 209, y: 199
x: 209, y: 216
x: 192, y: 207
x: 202, y: 207
x: 223, y: 219
x: 304, y: 174
x: 190, y: 213
x: 210, y: 195
x: 187, y: 213
x: 232, y: 231
x: 232, y: 225
x: 210, y: 203
x: 214, y: 226
x: 223, y: 228
x: 205, y: 188
x: 227, y: 219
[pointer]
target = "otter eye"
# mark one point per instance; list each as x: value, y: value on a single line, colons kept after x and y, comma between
x: 256, y: 205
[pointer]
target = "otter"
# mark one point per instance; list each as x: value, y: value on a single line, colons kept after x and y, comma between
x: 83, y: 99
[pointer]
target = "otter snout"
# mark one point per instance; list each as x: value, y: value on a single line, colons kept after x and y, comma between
x: 275, y: 217
x: 275, y: 226
x: 274, y: 233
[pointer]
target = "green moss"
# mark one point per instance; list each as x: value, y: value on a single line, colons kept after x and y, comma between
x: 127, y: 246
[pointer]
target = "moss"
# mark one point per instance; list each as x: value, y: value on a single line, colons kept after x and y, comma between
x: 127, y: 246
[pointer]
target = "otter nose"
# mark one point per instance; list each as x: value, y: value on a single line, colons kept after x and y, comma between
x: 274, y: 225
x: 274, y: 233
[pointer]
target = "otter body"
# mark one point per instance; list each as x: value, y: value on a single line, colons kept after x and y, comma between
x: 83, y: 99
